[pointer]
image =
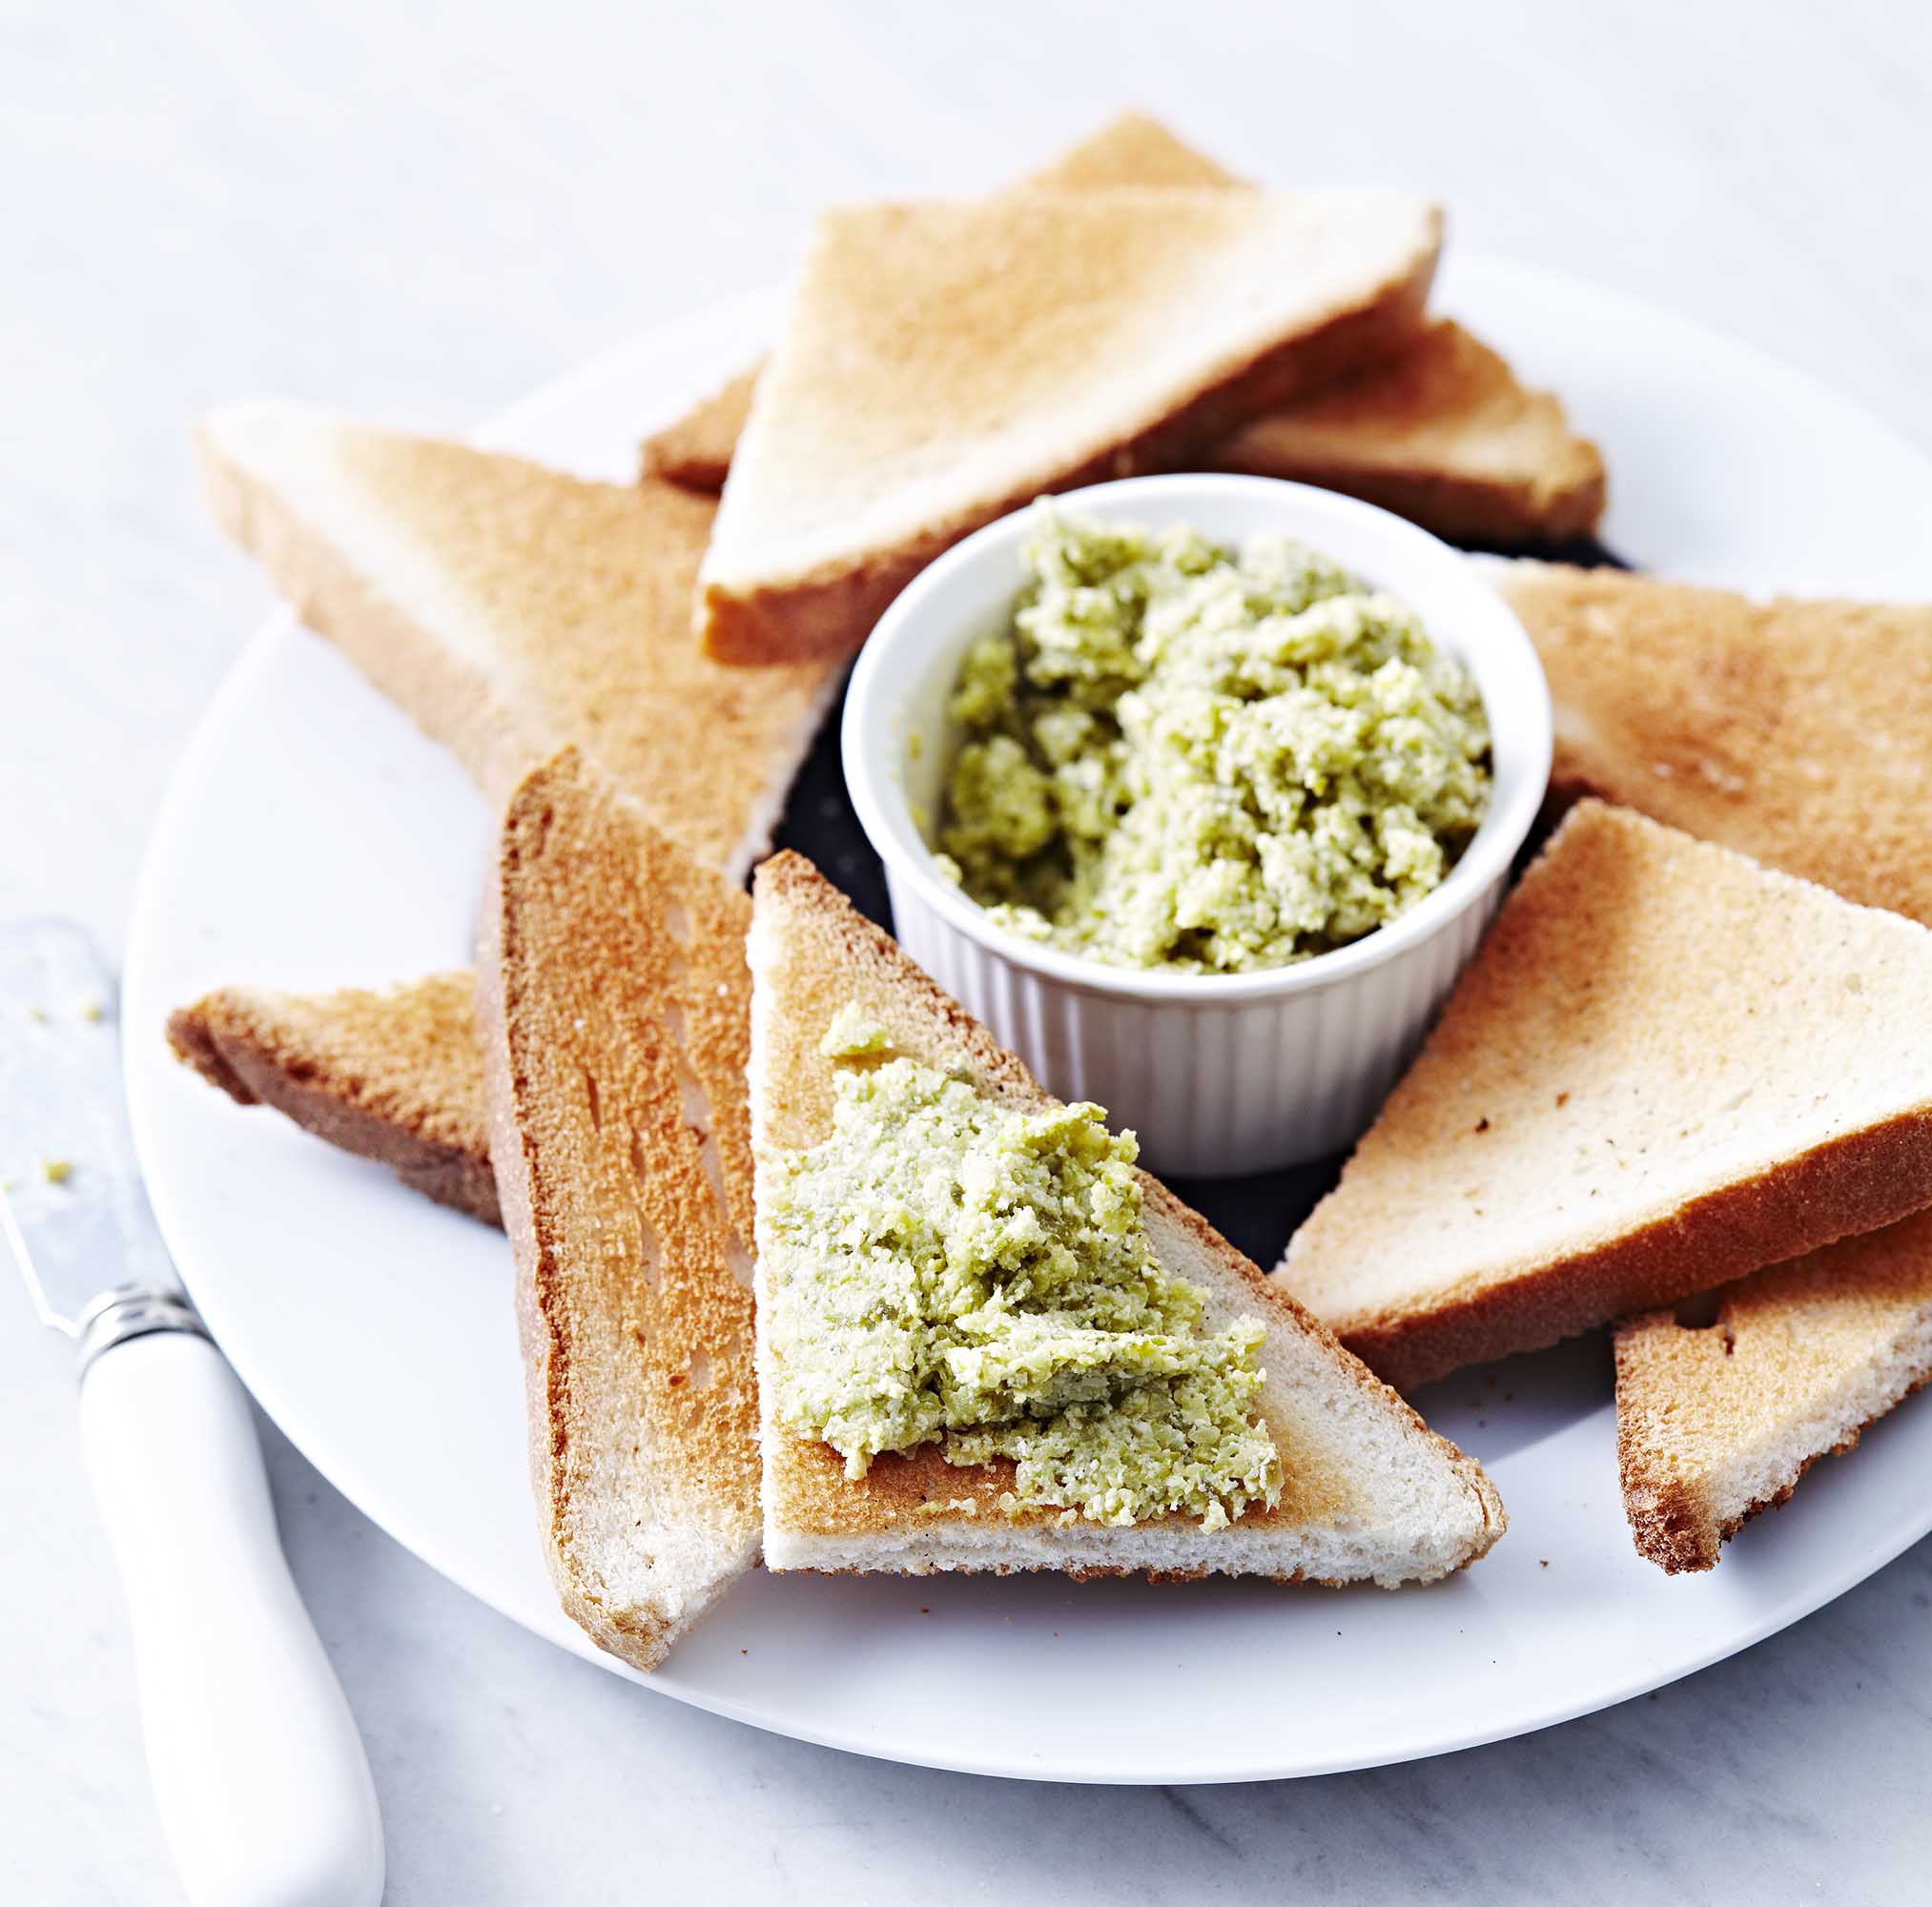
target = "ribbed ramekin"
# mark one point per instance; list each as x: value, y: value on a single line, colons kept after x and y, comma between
x: 1218, y: 1074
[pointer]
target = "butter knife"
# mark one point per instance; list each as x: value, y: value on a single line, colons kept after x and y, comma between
x: 258, y: 1772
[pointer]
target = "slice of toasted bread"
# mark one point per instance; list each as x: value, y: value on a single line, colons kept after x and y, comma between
x: 1716, y: 1422
x: 1666, y: 1066
x: 1369, y: 1491
x: 1794, y: 732
x: 1443, y: 433
x: 511, y: 609
x: 615, y: 1013
x: 393, y: 1076
x: 696, y: 449
x: 943, y: 363
x: 1131, y: 149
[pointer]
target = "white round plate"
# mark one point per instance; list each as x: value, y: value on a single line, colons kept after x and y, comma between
x: 312, y: 838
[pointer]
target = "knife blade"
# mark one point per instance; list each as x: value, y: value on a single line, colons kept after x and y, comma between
x: 73, y: 1207
x: 259, y: 1775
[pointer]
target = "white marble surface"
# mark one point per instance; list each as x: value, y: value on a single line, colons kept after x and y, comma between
x: 423, y: 212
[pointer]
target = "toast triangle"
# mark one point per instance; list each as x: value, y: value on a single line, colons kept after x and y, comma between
x: 614, y: 1004
x: 695, y: 449
x: 1441, y: 430
x: 1370, y: 1492
x: 1713, y: 711
x: 1717, y: 1421
x: 1666, y: 1067
x: 1443, y: 433
x: 511, y: 610
x: 946, y: 362
x: 1793, y: 730
x: 394, y: 1074
x: 1131, y: 149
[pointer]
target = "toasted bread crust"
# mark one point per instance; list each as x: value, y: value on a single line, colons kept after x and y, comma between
x: 392, y: 1076
x: 1597, y: 984
x: 1835, y: 1191
x: 613, y: 1008
x: 819, y: 952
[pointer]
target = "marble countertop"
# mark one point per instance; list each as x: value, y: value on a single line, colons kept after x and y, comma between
x: 422, y: 213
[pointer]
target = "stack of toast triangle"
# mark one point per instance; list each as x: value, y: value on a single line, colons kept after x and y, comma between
x: 1666, y: 1067
x: 1370, y: 1492
x: 512, y: 610
x: 943, y: 363
x: 1441, y: 430
x: 1791, y: 731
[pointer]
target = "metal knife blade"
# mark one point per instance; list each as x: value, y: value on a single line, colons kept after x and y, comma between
x: 73, y: 1208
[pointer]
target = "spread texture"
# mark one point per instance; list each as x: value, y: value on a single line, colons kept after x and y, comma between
x: 1201, y: 760
x: 956, y: 1271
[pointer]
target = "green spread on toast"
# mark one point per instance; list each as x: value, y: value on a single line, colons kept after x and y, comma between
x: 951, y: 1270
x: 1194, y: 759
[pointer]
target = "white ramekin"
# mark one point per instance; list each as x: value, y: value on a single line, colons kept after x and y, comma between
x: 1217, y: 1074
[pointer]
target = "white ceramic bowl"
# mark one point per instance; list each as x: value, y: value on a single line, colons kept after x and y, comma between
x: 1218, y: 1074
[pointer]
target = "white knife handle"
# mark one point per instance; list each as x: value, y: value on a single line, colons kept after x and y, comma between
x: 263, y: 1788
